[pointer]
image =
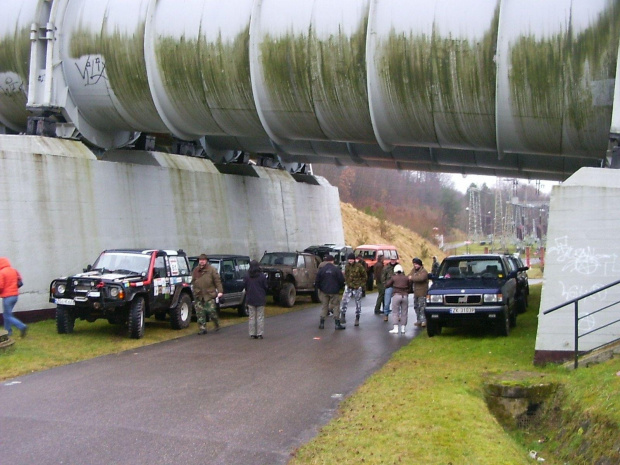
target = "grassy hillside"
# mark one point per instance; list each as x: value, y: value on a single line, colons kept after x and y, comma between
x: 360, y: 228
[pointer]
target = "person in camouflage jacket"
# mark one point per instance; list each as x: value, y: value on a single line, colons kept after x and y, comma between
x: 354, y: 278
x: 207, y: 286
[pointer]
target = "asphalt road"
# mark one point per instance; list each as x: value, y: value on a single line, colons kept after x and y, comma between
x: 222, y: 398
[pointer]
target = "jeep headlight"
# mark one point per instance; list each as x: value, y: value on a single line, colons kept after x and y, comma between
x: 60, y: 288
x: 278, y: 275
x: 492, y: 298
x: 114, y: 292
x: 434, y: 299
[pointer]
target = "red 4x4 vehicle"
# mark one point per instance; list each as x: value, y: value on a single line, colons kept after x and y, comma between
x: 370, y: 253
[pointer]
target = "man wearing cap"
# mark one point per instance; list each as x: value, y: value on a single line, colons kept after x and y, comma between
x: 206, y: 286
x: 329, y: 281
x: 388, y: 272
x: 400, y: 299
x: 419, y: 276
x: 354, y: 278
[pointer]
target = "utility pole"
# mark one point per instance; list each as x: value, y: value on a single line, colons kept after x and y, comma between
x: 498, y: 229
x: 475, y: 216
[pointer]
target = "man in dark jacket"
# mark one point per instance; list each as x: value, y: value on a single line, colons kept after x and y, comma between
x: 255, y: 284
x: 329, y: 281
x: 419, y: 276
x: 207, y: 286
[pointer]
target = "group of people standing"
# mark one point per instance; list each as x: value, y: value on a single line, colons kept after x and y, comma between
x: 393, y: 285
x: 207, y: 288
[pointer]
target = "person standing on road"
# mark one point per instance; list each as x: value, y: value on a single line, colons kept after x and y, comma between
x: 435, y: 266
x: 329, y: 281
x: 255, y: 284
x: 362, y: 262
x: 9, y: 291
x: 207, y: 286
x: 377, y: 271
x: 400, y: 299
x: 419, y: 276
x: 386, y: 274
x: 354, y: 278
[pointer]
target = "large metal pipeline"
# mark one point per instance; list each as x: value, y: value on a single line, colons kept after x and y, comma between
x: 516, y: 87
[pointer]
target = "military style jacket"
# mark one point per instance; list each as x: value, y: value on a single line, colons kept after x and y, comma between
x: 206, y: 283
x: 355, y: 275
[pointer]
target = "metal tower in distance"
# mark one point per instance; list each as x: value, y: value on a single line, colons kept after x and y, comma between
x: 474, y: 231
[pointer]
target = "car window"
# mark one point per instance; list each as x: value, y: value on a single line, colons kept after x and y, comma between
x: 300, y: 262
x: 182, y: 265
x: 471, y: 268
x: 112, y: 261
x: 228, y: 269
x: 160, y: 267
x: 367, y: 254
x: 244, y: 266
x: 215, y: 264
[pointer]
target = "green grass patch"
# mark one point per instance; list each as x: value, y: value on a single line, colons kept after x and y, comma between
x: 426, y: 405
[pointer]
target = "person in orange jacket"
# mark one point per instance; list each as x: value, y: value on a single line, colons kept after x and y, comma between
x: 9, y: 292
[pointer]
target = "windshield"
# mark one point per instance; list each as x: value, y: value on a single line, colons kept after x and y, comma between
x: 366, y: 254
x: 471, y: 268
x: 123, y: 261
x: 280, y: 258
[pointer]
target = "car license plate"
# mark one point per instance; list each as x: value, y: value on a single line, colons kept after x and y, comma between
x: 463, y: 310
x: 94, y: 294
x: 65, y: 302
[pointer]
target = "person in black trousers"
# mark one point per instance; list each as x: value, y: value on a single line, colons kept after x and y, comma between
x: 329, y: 281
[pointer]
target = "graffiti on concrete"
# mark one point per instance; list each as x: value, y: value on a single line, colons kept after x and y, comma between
x: 583, y: 260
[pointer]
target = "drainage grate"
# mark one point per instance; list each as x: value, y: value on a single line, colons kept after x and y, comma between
x: 530, y: 418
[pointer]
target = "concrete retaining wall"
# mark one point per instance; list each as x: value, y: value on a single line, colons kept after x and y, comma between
x: 583, y: 254
x: 60, y: 206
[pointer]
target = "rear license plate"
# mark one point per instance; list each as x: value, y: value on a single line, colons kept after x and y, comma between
x: 463, y: 310
x: 65, y: 302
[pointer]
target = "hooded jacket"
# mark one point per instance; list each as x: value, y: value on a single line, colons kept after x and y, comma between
x: 8, y: 279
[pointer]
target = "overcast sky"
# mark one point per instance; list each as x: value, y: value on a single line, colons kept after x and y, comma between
x: 463, y: 182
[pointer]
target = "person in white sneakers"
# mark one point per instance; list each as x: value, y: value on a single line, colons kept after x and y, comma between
x: 400, y: 283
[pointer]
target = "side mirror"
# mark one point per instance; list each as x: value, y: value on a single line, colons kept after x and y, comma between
x: 524, y: 268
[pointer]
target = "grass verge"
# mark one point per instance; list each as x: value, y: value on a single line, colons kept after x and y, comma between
x: 426, y: 406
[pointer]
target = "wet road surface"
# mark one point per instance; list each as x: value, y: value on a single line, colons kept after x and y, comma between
x: 220, y: 399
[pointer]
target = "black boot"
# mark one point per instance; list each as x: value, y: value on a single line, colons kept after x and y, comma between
x: 322, y: 324
x: 357, y: 320
x: 339, y: 326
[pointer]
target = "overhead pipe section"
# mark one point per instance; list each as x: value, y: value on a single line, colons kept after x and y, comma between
x: 487, y: 84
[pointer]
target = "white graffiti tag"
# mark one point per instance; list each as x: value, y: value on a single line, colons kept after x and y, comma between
x: 583, y: 260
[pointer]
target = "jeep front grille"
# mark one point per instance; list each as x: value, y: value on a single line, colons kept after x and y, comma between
x: 463, y: 299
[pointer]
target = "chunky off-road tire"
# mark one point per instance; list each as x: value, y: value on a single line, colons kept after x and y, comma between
x: 287, y: 295
x: 65, y: 320
x: 315, y: 296
x: 135, y: 322
x: 181, y: 315
x: 522, y: 304
x: 513, y: 317
x: 503, y: 324
x: 433, y: 329
x: 242, y: 310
